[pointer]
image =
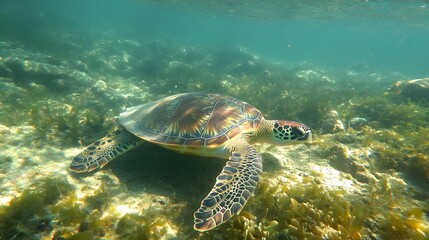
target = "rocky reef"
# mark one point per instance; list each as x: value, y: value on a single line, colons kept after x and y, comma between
x: 364, y: 177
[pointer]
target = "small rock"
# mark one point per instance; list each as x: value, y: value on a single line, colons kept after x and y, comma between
x: 338, y: 126
x: 357, y: 123
x: 333, y: 122
x: 417, y: 90
x: 271, y: 163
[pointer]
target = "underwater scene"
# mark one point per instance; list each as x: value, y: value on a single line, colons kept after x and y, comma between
x: 354, y: 72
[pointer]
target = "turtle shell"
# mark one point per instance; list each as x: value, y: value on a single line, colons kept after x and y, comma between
x: 191, y: 119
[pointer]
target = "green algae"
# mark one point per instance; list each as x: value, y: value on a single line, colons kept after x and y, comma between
x: 304, y: 210
x: 405, y: 152
x: 407, y: 225
x: 308, y: 210
x: 151, y: 225
x: 396, y: 137
x: 100, y: 199
x: 27, y: 215
x: 388, y: 113
x: 347, y: 219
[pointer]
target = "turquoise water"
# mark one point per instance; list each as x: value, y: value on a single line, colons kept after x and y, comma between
x: 69, y: 68
x: 382, y: 34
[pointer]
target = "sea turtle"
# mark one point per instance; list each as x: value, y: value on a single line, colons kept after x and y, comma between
x: 202, y: 124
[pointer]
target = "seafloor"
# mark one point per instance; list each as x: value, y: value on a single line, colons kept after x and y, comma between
x: 365, y: 176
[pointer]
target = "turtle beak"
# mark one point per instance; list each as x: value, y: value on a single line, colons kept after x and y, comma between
x: 303, y: 132
x: 308, y: 135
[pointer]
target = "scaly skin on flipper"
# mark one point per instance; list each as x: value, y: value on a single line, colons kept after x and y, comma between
x: 104, y: 150
x: 232, y: 189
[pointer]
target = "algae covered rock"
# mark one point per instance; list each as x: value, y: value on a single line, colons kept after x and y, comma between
x: 347, y: 160
x: 357, y: 123
x: 416, y: 90
x: 27, y: 68
x: 332, y: 122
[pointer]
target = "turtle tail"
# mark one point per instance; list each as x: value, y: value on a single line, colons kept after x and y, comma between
x: 104, y: 150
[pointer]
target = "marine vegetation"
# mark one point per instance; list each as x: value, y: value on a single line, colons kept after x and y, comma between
x: 364, y: 177
x: 27, y: 217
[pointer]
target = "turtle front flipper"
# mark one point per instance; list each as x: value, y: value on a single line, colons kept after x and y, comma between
x: 104, y: 150
x: 232, y: 189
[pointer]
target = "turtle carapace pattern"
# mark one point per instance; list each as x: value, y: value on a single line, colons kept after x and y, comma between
x: 203, y: 124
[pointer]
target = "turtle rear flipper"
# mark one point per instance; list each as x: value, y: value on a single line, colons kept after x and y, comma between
x: 104, y: 150
x: 232, y: 189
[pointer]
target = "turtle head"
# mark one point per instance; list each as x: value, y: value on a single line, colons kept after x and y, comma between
x: 288, y: 132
